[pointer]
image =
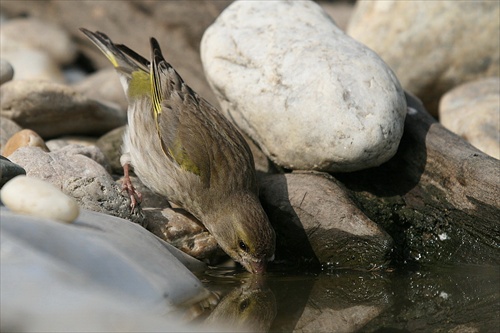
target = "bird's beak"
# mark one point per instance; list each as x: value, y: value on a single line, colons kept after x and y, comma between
x: 257, y: 267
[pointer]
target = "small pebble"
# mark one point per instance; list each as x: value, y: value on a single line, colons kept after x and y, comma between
x: 6, y: 71
x: 9, y: 170
x: 24, y: 138
x: 32, y: 196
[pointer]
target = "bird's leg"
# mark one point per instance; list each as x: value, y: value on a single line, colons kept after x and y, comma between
x: 135, y: 196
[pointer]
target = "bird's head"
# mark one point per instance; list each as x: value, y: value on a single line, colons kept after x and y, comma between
x: 243, y: 231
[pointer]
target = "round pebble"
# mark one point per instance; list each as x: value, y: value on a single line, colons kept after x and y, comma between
x: 6, y: 71
x: 24, y: 138
x: 32, y: 196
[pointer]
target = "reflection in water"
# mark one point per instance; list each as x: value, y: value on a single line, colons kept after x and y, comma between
x: 439, y: 299
x: 285, y: 302
x: 249, y: 307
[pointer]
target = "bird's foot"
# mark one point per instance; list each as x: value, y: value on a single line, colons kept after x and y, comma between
x: 134, y: 195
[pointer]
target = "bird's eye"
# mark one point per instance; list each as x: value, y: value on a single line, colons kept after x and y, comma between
x: 243, y: 246
x: 244, y: 304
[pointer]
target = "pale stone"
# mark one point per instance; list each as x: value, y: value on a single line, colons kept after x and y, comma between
x: 32, y: 196
x: 53, y: 109
x: 33, y: 33
x: 80, y: 172
x: 472, y: 110
x: 67, y: 140
x: 132, y: 23
x: 432, y: 46
x: 6, y: 71
x: 30, y: 64
x: 24, y: 138
x: 101, y: 274
x: 309, y: 95
x: 104, y: 86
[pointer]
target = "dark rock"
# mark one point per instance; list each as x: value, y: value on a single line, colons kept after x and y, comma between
x: 9, y: 170
x: 317, y: 223
x: 438, y: 197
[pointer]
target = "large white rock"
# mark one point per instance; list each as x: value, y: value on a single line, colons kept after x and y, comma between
x: 309, y: 95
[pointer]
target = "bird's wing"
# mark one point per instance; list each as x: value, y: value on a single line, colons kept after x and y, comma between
x: 194, y: 133
x: 173, y: 107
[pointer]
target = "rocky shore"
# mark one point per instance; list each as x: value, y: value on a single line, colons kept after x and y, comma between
x: 355, y: 172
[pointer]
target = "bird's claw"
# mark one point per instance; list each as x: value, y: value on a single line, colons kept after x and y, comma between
x: 134, y: 195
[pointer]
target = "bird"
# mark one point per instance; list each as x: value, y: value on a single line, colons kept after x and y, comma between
x: 183, y: 148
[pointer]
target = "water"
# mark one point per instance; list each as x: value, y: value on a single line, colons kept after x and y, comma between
x: 437, y: 299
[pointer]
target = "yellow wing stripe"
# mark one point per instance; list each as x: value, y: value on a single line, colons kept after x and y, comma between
x: 111, y: 57
x: 156, y: 96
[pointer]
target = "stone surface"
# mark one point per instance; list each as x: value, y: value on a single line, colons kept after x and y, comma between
x: 6, y: 71
x: 80, y: 172
x: 310, y: 96
x: 472, y: 110
x: 339, y: 11
x: 438, y: 197
x: 111, y: 146
x: 7, y: 129
x: 101, y: 273
x: 176, y: 226
x: 104, y: 86
x: 9, y: 170
x: 36, y: 197
x: 316, y: 222
x: 66, y: 140
x: 52, y: 109
x: 132, y: 23
x: 83, y: 173
x: 183, y: 231
x: 30, y: 64
x: 431, y: 46
x: 24, y: 138
x: 33, y: 33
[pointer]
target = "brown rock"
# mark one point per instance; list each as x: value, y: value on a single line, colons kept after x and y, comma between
x: 53, y: 109
x: 316, y: 222
x: 176, y: 226
x: 472, y: 110
x: 24, y: 138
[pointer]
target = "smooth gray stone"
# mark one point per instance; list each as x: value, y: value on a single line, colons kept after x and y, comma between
x: 98, y: 267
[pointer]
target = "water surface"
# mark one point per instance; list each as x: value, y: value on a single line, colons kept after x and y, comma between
x: 435, y: 299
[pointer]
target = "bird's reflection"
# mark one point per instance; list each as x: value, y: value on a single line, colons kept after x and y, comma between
x: 249, y: 307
